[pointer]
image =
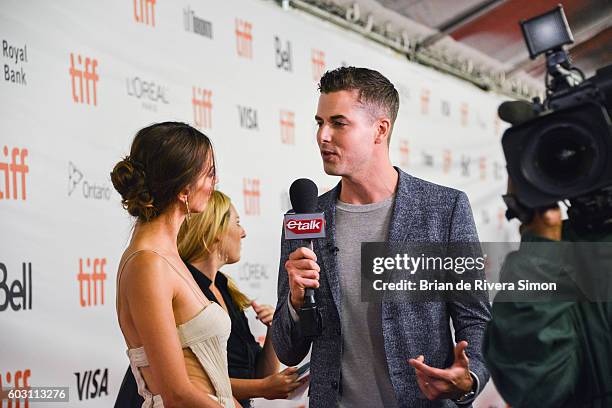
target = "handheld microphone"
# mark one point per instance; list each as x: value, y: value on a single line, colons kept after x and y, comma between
x: 515, y: 112
x: 306, y: 224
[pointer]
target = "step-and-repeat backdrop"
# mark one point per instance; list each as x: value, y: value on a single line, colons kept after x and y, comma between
x: 79, y: 78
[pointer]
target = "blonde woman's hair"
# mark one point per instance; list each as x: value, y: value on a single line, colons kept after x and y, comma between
x: 199, y: 236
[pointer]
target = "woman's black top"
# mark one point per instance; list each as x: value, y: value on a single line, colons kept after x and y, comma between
x: 242, y: 349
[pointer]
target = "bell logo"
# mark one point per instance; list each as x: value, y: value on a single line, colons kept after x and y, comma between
x: 251, y: 196
x: 201, y: 101
x: 311, y: 226
x: 18, y: 294
x: 425, y: 94
x: 144, y: 12
x: 17, y: 380
x: 318, y: 64
x: 287, y: 127
x: 96, y: 266
x: 404, y: 150
x: 11, y: 169
x: 244, y: 39
x: 88, y: 74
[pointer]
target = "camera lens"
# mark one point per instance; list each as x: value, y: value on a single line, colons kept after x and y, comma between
x: 562, y: 157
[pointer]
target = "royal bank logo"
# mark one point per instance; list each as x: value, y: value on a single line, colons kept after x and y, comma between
x: 195, y: 24
x: 15, y: 58
x: 151, y: 94
x: 78, y: 185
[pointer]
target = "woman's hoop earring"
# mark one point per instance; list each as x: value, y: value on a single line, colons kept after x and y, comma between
x: 187, y: 207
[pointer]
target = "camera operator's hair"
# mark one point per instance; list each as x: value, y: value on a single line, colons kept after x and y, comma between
x: 375, y: 90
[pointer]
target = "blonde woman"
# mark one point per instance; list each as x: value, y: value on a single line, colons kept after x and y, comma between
x: 206, y: 243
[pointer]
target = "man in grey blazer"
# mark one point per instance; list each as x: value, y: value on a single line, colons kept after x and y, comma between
x: 376, y: 354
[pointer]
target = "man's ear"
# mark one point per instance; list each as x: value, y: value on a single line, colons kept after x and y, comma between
x: 383, y: 128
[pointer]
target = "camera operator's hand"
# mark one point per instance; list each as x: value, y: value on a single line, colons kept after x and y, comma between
x: 546, y: 222
x: 303, y: 273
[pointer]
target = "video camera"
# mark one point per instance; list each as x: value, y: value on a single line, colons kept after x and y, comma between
x: 560, y: 149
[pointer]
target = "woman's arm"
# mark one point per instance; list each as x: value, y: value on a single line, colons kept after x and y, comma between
x: 267, y: 361
x: 276, y: 386
x: 150, y: 291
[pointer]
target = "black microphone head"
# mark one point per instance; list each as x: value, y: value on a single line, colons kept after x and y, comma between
x: 515, y: 112
x: 303, y: 194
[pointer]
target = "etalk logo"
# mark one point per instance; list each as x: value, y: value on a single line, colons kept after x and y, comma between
x: 311, y: 226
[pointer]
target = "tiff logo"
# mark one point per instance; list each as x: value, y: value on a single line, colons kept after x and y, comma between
x: 425, y: 94
x: 482, y: 165
x: 465, y: 111
x: 251, y: 195
x: 11, y: 170
x: 287, y: 127
x: 318, y: 64
x: 202, y: 107
x: 144, y: 12
x: 96, y: 274
x: 89, y: 75
x: 447, y: 161
x: 18, y: 380
x: 404, y: 150
x: 248, y: 118
x: 90, y: 385
x: 196, y: 25
x: 284, y: 60
x: 244, y: 39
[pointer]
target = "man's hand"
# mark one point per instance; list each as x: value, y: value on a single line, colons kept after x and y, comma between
x: 546, y: 222
x: 452, y: 382
x: 303, y: 272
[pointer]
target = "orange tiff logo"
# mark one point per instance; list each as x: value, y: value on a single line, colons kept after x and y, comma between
x: 17, y: 380
x: 244, y: 39
x: 287, y: 126
x: 202, y: 107
x: 91, y: 272
x: 465, y: 113
x: 404, y: 150
x: 144, y: 12
x: 11, y: 169
x: 251, y: 195
x: 87, y: 73
x: 318, y: 64
x: 425, y: 94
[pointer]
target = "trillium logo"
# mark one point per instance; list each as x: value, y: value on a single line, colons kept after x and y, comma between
x: 74, y: 177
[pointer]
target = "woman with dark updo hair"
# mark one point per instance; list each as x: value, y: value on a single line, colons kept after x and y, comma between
x: 163, y: 315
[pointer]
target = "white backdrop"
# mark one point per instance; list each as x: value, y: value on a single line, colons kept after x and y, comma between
x: 79, y: 78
